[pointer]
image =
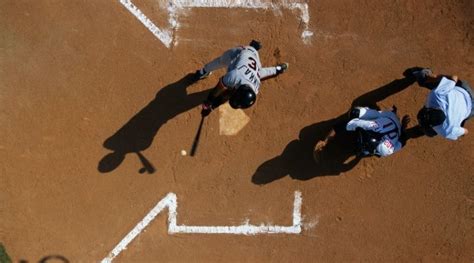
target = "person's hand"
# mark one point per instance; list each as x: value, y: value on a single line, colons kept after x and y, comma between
x: 205, y: 113
x: 206, y: 109
x: 394, y: 109
x: 465, y: 131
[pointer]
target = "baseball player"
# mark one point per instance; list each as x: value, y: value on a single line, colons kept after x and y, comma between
x: 449, y: 104
x: 241, y: 83
x: 379, y: 131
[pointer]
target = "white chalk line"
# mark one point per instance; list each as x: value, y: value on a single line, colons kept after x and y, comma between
x: 175, y: 7
x: 170, y: 202
x: 163, y: 36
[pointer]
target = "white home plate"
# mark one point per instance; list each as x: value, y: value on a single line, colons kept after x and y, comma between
x: 231, y: 121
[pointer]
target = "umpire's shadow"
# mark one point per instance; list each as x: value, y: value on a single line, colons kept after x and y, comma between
x: 138, y: 133
x: 339, y: 154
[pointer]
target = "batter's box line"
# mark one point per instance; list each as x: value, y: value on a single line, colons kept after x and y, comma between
x: 170, y: 201
x: 175, y: 7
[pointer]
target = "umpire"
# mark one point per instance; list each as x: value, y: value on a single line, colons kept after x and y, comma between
x: 449, y: 104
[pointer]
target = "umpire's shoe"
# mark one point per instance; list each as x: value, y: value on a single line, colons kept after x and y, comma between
x: 201, y: 74
x: 418, y: 74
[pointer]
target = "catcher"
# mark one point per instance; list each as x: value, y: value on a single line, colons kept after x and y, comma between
x: 379, y: 132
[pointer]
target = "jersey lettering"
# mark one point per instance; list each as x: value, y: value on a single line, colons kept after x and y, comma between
x: 252, y: 78
x: 388, y: 144
x: 249, y: 74
x: 253, y: 63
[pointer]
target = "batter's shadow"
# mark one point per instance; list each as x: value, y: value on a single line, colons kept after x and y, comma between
x: 338, y: 155
x: 138, y: 133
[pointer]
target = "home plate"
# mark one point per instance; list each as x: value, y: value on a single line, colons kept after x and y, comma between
x: 231, y: 121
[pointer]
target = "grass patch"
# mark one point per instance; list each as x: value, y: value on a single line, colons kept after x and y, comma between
x: 4, y: 258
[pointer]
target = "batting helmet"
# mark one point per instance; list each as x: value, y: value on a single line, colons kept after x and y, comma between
x: 243, y: 97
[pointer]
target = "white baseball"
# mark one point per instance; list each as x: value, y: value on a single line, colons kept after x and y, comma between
x: 183, y: 153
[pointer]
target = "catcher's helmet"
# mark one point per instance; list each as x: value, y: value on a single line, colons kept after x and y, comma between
x: 367, y: 141
x: 243, y: 97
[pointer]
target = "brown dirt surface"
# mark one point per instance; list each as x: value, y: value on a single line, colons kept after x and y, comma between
x: 84, y: 87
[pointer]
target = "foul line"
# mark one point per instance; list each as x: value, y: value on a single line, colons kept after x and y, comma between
x: 174, y: 7
x: 163, y: 36
x: 171, y: 202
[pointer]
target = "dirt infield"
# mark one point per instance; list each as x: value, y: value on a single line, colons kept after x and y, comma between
x: 95, y: 111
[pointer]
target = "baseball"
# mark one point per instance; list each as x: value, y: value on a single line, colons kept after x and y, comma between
x: 183, y: 153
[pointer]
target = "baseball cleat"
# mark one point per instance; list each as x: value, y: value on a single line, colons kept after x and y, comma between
x: 417, y: 73
x: 282, y: 68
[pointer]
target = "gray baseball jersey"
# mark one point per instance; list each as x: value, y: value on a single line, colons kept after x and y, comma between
x: 243, y: 68
x: 384, y: 122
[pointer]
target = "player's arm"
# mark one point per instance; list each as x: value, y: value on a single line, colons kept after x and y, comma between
x: 445, y: 85
x: 218, y: 95
x: 364, y: 124
x: 268, y: 72
x: 459, y: 131
x: 453, y: 77
x: 223, y: 61
x: 230, y: 55
x: 455, y: 133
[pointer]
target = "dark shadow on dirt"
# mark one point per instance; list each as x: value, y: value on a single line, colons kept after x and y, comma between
x: 54, y: 258
x: 138, y: 133
x: 47, y: 259
x: 339, y: 154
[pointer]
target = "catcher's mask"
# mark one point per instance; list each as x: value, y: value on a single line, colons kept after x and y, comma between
x: 243, y: 97
x: 367, y: 141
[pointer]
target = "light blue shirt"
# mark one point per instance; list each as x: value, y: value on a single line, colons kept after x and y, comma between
x: 456, y: 104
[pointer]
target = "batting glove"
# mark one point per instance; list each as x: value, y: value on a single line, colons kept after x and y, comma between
x: 206, y: 108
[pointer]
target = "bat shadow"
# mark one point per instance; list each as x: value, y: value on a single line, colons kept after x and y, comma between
x: 299, y: 159
x: 138, y: 133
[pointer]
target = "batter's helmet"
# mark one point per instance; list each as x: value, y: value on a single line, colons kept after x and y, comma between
x: 242, y: 98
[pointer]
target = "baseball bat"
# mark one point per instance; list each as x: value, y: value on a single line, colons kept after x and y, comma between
x: 196, y: 139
